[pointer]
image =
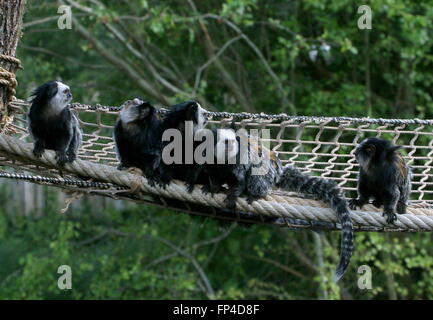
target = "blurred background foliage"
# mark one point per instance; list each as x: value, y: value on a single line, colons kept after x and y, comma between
x: 298, y: 57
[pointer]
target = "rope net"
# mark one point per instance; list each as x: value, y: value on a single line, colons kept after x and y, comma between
x: 319, y: 145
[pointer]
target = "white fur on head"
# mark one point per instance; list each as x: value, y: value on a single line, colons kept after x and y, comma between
x: 227, y: 146
x: 62, y: 98
x: 361, y: 157
x: 137, y: 101
x: 130, y: 111
x: 201, y: 119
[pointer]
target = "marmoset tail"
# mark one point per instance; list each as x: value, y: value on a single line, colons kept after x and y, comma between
x: 327, y: 191
x: 250, y: 169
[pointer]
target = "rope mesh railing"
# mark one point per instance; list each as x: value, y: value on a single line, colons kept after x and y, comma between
x: 320, y: 145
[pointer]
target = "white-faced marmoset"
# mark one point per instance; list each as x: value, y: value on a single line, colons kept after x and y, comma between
x: 137, y: 135
x: 252, y: 170
x: 52, y: 124
x: 383, y: 176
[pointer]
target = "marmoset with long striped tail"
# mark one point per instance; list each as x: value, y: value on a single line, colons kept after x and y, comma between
x: 52, y: 124
x: 253, y: 170
x: 137, y: 135
x: 383, y: 176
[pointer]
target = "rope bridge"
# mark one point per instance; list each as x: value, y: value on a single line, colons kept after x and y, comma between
x: 320, y: 145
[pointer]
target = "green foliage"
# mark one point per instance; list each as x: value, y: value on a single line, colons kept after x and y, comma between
x: 129, y: 254
x: 121, y: 256
x: 383, y: 72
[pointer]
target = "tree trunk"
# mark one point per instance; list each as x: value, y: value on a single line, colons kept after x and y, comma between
x: 11, y: 14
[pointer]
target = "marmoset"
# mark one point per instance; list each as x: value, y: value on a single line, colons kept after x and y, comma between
x: 186, y: 118
x: 383, y: 176
x: 252, y: 170
x: 137, y: 135
x: 52, y: 124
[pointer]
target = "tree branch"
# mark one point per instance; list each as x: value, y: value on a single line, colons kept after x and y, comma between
x: 277, y: 264
x: 39, y: 21
x: 226, y: 77
x: 58, y: 55
x: 120, y: 64
x: 209, y: 290
x: 121, y: 38
x: 210, y: 61
x: 259, y: 54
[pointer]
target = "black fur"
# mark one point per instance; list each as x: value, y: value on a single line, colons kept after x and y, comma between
x: 175, y: 119
x: 181, y: 112
x: 383, y: 176
x: 239, y: 176
x: 52, y: 129
x: 241, y: 181
x: 138, y: 142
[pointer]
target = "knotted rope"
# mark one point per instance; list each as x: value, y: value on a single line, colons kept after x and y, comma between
x: 274, y: 204
x: 7, y: 79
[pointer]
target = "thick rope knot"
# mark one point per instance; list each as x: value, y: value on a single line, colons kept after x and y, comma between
x: 7, y: 79
x: 12, y: 60
x: 6, y: 125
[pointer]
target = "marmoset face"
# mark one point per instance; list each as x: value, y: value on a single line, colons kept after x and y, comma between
x: 227, y: 145
x: 196, y: 114
x: 62, y: 97
x: 201, y: 118
x: 133, y: 110
x: 364, y: 153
